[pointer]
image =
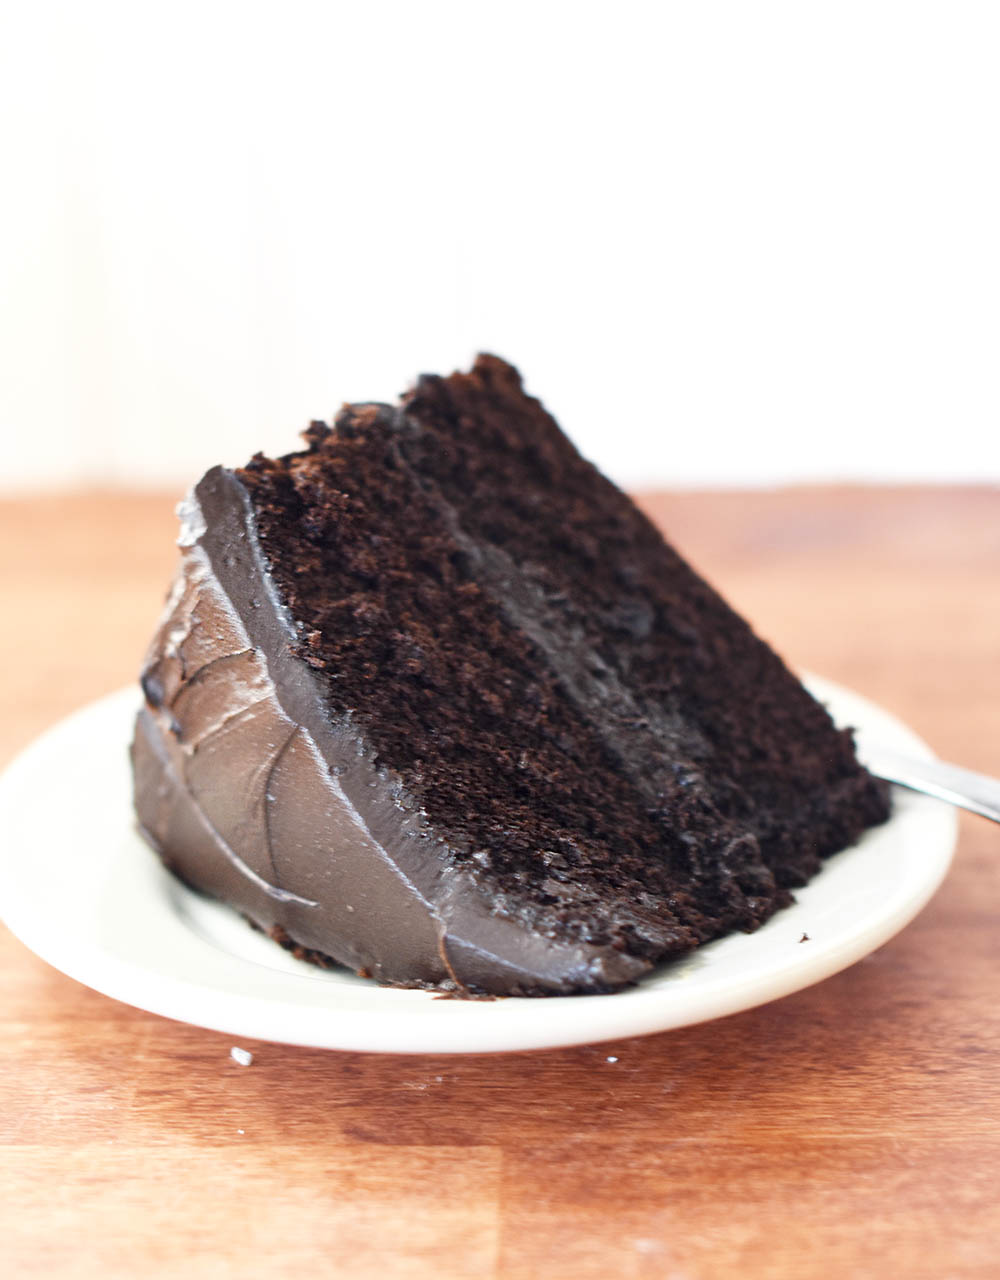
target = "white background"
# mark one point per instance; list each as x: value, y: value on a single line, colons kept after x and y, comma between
x: 726, y: 243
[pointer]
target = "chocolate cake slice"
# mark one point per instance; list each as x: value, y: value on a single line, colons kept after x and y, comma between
x: 433, y: 700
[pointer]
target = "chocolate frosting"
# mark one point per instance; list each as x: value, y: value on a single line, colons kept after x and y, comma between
x: 255, y: 793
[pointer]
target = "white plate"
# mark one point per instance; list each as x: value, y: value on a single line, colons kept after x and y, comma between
x: 82, y: 890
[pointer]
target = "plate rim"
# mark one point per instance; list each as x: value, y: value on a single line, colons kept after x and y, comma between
x: 454, y: 1026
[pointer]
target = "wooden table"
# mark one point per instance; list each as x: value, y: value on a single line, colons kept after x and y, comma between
x: 852, y: 1130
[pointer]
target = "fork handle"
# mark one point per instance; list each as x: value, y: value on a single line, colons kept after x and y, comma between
x: 973, y: 791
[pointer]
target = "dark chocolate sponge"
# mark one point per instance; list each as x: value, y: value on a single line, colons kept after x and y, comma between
x: 434, y: 700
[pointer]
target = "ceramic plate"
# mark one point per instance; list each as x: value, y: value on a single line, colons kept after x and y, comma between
x: 81, y: 889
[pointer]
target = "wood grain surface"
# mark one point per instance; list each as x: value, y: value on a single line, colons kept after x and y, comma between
x: 851, y: 1130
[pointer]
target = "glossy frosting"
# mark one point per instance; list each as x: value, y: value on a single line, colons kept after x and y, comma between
x: 254, y: 794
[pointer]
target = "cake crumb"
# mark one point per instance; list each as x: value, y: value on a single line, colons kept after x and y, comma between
x: 804, y: 938
x: 242, y: 1056
x: 611, y: 1059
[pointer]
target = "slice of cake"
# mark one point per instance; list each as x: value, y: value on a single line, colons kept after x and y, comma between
x: 432, y: 699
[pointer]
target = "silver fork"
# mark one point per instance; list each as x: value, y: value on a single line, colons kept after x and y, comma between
x: 973, y: 791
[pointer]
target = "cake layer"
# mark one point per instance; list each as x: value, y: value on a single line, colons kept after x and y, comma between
x: 711, y: 693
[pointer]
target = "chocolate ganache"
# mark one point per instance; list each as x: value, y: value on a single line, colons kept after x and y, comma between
x: 432, y: 699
